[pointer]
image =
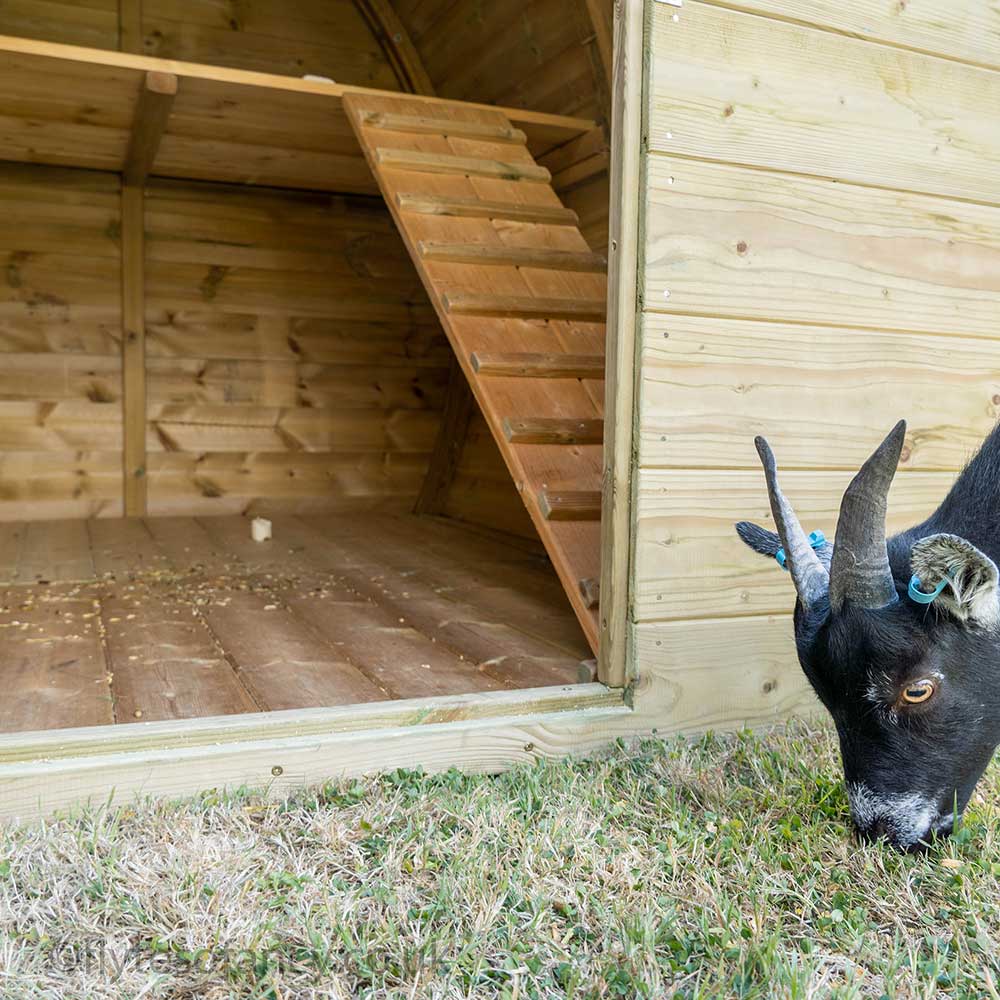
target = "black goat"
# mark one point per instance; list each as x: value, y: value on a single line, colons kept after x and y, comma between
x: 901, y: 639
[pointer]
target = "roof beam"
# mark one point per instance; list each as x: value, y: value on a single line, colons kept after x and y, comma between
x: 152, y: 110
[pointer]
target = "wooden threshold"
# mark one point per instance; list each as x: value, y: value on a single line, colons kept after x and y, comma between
x: 486, y: 733
x: 89, y: 741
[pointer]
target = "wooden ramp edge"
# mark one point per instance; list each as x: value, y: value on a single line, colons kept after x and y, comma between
x: 522, y: 299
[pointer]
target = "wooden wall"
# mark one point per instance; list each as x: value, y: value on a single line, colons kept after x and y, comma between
x: 293, y: 361
x: 293, y: 358
x: 822, y: 257
x: 60, y: 336
x: 538, y: 54
x: 322, y: 37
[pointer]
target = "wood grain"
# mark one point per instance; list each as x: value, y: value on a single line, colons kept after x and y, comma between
x: 744, y: 89
x: 821, y: 396
x: 165, y: 662
x: 54, y: 670
x: 727, y: 241
x: 227, y: 124
x: 967, y: 30
x: 688, y: 669
x: 685, y: 533
x: 626, y: 250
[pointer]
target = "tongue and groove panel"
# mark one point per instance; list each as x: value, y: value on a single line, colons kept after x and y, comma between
x: 522, y: 300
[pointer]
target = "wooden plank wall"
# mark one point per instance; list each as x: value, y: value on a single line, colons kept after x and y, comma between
x: 822, y: 257
x: 322, y: 37
x: 60, y: 336
x: 539, y: 54
x: 294, y: 362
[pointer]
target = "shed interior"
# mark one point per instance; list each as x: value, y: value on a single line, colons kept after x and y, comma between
x: 369, y: 308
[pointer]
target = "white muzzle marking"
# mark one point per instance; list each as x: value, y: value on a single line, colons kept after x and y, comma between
x: 907, y: 815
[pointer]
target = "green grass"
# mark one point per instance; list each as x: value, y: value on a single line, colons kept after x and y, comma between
x: 719, y: 868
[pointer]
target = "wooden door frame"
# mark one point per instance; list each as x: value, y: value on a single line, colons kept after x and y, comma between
x: 621, y: 394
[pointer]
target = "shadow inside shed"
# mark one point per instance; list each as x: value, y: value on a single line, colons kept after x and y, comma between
x: 230, y: 293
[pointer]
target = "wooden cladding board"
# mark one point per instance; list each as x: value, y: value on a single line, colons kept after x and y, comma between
x: 93, y: 23
x: 60, y: 330
x: 743, y: 88
x: 294, y: 361
x: 822, y: 257
x: 965, y: 30
x: 328, y: 38
x: 533, y: 55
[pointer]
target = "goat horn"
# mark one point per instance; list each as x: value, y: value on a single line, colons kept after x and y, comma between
x: 860, y: 570
x: 808, y: 574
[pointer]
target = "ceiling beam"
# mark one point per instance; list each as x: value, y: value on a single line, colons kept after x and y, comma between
x: 152, y: 110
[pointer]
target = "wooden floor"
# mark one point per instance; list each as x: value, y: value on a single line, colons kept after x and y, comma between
x: 107, y: 621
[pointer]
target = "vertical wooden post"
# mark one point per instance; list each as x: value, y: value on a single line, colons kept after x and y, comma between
x: 627, y: 158
x: 133, y: 350
x: 152, y: 113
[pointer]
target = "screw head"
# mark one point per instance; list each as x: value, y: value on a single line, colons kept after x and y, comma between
x: 277, y: 770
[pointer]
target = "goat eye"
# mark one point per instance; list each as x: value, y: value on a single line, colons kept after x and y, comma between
x: 918, y: 692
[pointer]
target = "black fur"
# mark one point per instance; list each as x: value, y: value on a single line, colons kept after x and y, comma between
x: 859, y: 661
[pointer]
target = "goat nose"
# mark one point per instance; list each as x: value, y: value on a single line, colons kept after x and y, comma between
x: 875, y: 830
x: 879, y: 829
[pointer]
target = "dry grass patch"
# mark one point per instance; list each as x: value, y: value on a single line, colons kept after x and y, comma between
x: 721, y: 868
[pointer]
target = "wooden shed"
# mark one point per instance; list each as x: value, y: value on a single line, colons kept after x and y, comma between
x: 478, y: 307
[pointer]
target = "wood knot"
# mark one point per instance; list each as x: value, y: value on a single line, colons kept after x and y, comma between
x: 729, y: 111
x: 741, y: 247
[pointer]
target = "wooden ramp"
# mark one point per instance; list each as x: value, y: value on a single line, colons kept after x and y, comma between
x: 522, y: 300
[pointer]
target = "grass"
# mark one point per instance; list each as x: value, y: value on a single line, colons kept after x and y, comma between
x: 720, y: 868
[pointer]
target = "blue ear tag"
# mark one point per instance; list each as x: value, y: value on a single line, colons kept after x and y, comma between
x: 816, y: 540
x: 916, y: 594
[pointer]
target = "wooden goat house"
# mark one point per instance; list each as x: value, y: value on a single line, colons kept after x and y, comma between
x: 481, y: 307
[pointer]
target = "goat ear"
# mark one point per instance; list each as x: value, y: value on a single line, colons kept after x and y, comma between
x: 759, y: 539
x: 767, y: 542
x: 971, y: 594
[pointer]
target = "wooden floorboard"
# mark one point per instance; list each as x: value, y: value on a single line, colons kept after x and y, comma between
x: 188, y: 546
x: 55, y: 552
x: 178, y: 618
x: 12, y: 535
x: 164, y: 660
x: 470, y: 629
x: 124, y: 547
x: 54, y: 670
x: 283, y: 662
x: 516, y: 587
x: 395, y: 655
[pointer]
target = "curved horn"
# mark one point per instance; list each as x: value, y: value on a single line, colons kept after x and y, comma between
x: 860, y: 570
x: 808, y: 574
